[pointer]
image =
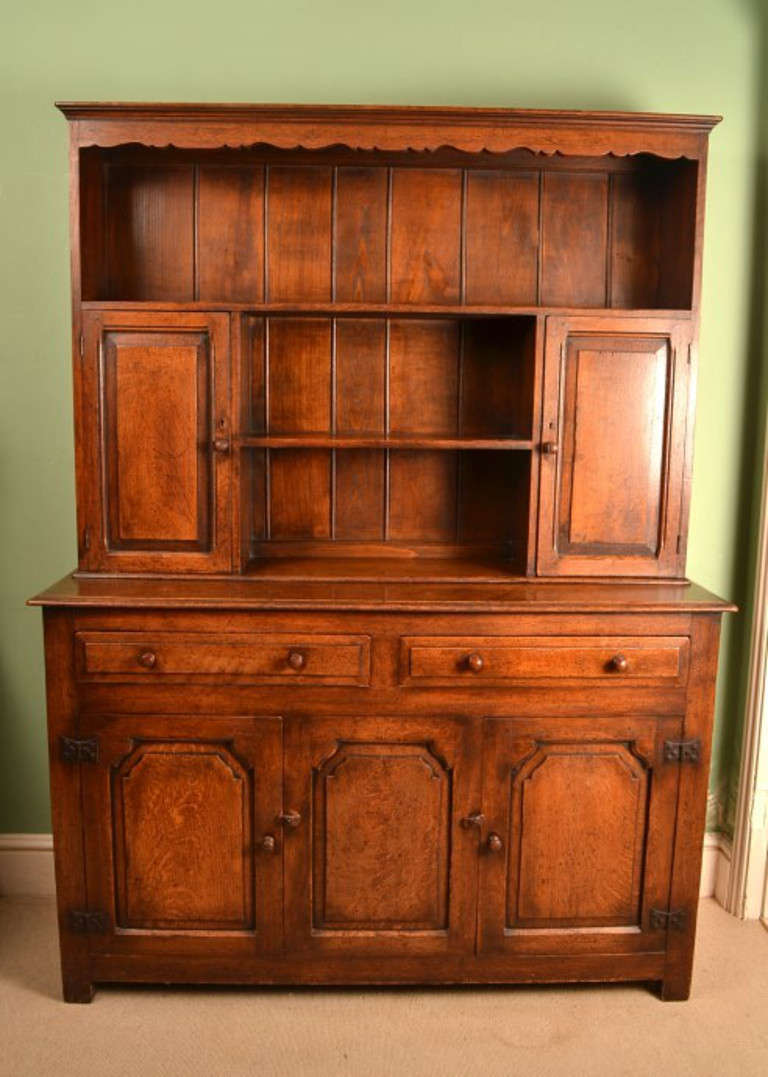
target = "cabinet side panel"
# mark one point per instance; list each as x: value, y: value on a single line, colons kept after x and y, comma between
x: 150, y: 228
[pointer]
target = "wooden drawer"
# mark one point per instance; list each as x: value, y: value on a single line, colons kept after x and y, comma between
x: 272, y: 658
x: 540, y: 660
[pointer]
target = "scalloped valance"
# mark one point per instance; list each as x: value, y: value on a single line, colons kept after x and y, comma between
x: 388, y: 129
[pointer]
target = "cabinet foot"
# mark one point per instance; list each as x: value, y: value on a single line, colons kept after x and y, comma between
x: 74, y: 990
x: 675, y: 989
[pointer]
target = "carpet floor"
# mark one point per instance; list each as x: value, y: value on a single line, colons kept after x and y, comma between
x: 490, y: 1032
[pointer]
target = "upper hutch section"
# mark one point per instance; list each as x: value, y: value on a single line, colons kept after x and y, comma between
x: 410, y: 341
x: 400, y: 207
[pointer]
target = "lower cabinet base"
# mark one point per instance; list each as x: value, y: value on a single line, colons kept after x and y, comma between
x: 107, y: 969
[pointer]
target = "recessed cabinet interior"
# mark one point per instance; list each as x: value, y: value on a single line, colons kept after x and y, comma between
x: 379, y: 664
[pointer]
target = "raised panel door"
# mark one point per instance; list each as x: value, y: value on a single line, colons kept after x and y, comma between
x: 613, y: 474
x: 183, y: 847
x: 154, y: 422
x: 576, y: 844
x: 376, y: 859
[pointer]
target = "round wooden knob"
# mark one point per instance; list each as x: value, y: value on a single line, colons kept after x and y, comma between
x: 495, y: 844
x: 296, y: 660
x: 268, y: 843
x: 550, y: 448
x: 148, y: 659
x: 619, y: 663
x: 289, y: 818
x: 475, y: 662
x: 221, y: 445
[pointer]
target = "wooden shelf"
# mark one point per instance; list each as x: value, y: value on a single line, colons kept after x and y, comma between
x: 354, y: 441
x: 362, y: 310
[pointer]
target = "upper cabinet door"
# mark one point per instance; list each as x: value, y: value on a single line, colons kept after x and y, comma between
x: 154, y: 460
x: 615, y: 447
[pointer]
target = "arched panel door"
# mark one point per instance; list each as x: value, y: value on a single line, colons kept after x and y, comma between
x: 377, y: 861
x: 183, y: 848
x: 580, y: 819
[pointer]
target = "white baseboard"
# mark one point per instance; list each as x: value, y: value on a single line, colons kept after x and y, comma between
x: 26, y: 865
x: 715, y: 867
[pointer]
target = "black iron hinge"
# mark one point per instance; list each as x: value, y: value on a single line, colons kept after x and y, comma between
x: 682, y: 751
x: 79, y: 751
x: 82, y: 922
x: 81, y: 345
x: 672, y: 919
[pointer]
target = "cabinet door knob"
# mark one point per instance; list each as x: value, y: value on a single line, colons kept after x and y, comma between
x: 268, y: 843
x: 619, y: 663
x: 495, y: 844
x: 289, y: 818
x: 148, y: 659
x: 475, y: 818
x: 221, y: 445
x: 550, y: 448
x: 475, y: 662
x: 297, y: 660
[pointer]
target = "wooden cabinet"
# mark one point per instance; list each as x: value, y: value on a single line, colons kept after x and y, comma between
x: 155, y: 453
x: 379, y: 665
x: 613, y: 474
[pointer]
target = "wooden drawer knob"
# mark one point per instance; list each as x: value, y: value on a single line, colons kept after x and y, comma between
x: 268, y: 843
x: 495, y: 844
x: 475, y: 662
x: 221, y: 445
x: 550, y: 448
x: 289, y: 818
x: 475, y: 818
x: 297, y: 660
x: 147, y: 659
x: 619, y: 663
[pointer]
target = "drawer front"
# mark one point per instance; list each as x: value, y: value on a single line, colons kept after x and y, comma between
x: 271, y: 658
x: 540, y: 660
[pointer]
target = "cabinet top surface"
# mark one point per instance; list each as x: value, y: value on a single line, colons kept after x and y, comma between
x: 387, y: 127
x: 513, y: 597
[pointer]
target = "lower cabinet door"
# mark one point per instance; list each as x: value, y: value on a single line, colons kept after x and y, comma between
x: 183, y: 851
x: 576, y: 848
x: 377, y: 860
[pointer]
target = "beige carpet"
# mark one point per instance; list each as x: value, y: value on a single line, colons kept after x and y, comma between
x: 512, y: 1032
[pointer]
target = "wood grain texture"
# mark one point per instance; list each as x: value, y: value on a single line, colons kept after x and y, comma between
x: 502, y: 237
x: 149, y: 232
x: 230, y: 233
x: 574, y: 239
x: 425, y: 236
x: 298, y: 233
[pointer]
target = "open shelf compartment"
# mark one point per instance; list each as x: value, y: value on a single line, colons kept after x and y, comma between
x: 443, y: 228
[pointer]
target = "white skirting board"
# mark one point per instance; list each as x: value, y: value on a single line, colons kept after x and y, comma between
x: 26, y: 865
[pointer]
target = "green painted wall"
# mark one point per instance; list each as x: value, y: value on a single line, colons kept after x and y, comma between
x: 689, y: 56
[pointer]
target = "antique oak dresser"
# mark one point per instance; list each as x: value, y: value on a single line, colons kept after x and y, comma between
x: 380, y: 665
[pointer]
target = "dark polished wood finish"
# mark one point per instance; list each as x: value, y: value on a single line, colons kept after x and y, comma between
x: 379, y: 665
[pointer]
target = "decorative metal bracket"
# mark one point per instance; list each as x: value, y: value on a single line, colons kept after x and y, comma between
x: 88, y: 923
x: 79, y: 751
x: 682, y: 751
x: 672, y: 919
